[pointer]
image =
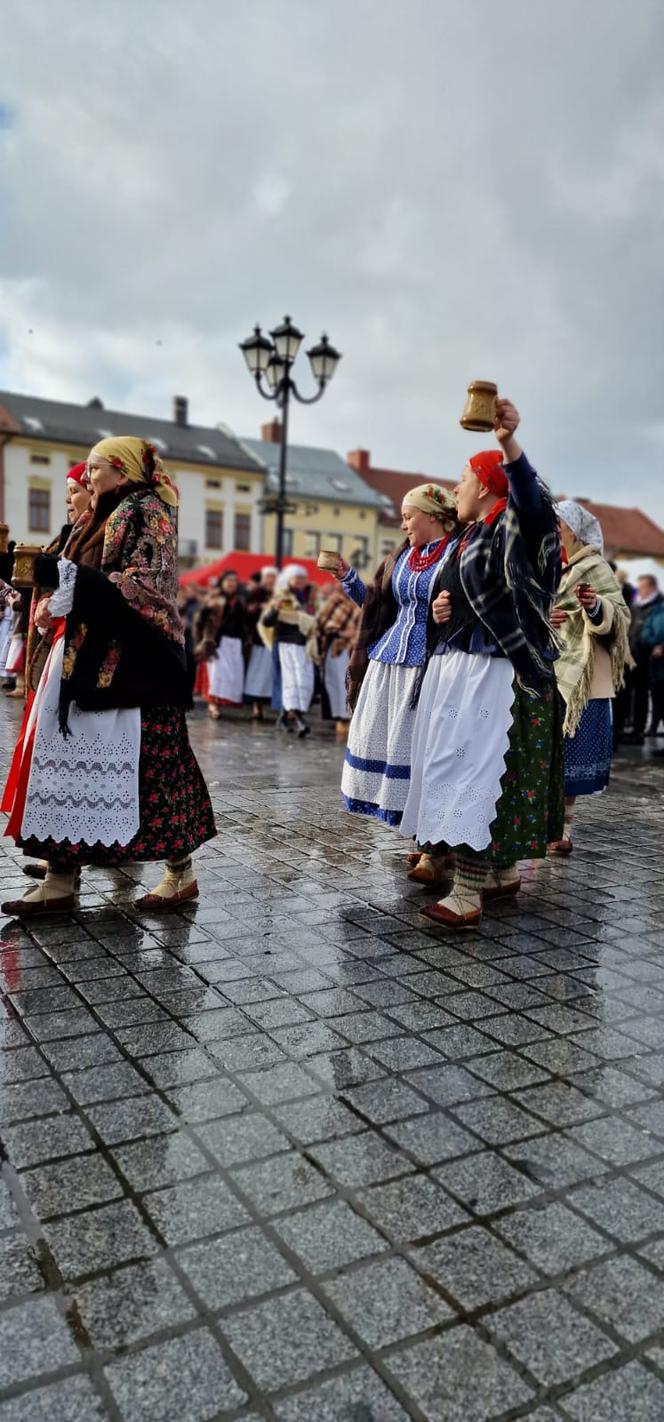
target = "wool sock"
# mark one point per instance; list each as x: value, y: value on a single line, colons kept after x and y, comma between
x: 466, y: 893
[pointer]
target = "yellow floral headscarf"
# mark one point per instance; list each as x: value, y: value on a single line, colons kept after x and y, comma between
x: 133, y: 457
x: 431, y: 499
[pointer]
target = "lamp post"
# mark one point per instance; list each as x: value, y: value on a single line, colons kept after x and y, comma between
x: 272, y: 359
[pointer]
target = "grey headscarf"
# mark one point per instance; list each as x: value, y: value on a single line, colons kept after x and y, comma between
x: 583, y: 524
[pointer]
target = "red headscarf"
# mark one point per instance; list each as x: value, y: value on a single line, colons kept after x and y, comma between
x: 490, y: 470
x: 79, y: 475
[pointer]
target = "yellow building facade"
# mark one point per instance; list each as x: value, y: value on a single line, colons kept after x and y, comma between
x: 330, y: 506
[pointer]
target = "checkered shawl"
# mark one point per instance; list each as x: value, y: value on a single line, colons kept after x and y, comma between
x: 578, y: 636
x: 510, y: 576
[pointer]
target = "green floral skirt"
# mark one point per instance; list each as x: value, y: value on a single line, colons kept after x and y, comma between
x: 529, y: 813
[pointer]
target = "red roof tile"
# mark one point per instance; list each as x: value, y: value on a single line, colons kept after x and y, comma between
x: 394, y: 484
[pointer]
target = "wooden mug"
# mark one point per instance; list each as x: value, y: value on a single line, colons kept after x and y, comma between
x: 23, y: 573
x: 480, y: 411
x: 4, y: 537
x: 329, y: 560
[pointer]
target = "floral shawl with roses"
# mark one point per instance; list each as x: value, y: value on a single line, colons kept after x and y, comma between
x: 124, y: 640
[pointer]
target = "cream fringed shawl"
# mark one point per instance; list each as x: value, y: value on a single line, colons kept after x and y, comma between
x: 577, y: 636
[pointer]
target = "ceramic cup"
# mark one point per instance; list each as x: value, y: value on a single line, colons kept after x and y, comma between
x: 480, y: 411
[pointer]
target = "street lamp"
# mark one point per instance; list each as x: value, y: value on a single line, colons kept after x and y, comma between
x: 272, y: 360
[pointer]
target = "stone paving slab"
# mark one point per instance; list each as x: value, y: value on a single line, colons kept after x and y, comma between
x: 293, y: 1154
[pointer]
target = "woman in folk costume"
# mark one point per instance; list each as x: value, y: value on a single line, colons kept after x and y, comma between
x: 220, y: 630
x: 6, y: 592
x: 259, y: 679
x: 337, y: 626
x: 591, y: 619
x: 106, y: 773
x: 78, y: 499
x: 288, y: 624
x: 39, y: 641
x: 388, y: 655
x: 487, y: 776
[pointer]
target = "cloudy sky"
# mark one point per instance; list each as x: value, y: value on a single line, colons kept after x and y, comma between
x: 453, y: 189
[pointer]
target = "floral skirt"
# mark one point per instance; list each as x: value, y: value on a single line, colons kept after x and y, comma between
x: 176, y: 814
x: 529, y: 813
x: 588, y: 754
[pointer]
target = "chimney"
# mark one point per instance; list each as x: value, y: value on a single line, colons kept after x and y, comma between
x: 359, y: 459
x: 180, y: 410
x: 271, y: 432
x: 95, y: 403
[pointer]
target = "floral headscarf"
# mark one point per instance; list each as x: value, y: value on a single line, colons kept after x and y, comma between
x: 431, y: 499
x: 139, y: 462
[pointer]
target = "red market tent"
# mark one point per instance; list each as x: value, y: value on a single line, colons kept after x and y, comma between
x: 244, y: 564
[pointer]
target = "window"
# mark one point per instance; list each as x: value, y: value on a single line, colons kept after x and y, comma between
x: 312, y: 545
x: 39, y: 510
x: 333, y: 542
x: 213, y: 483
x: 214, y: 528
x: 243, y: 488
x: 288, y: 543
x: 387, y: 546
x: 242, y: 537
x: 360, y: 554
x: 207, y: 450
x: 40, y: 458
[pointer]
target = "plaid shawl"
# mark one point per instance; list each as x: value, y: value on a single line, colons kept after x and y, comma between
x: 577, y: 638
x: 510, y: 575
x: 337, y: 624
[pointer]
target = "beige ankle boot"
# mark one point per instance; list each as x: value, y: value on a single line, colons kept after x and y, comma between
x: 501, y: 883
x: 56, y: 894
x: 176, y: 887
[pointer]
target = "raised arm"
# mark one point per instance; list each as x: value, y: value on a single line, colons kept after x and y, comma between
x: 524, y: 486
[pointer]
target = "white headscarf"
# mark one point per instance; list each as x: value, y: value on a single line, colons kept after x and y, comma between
x: 583, y: 524
x: 292, y: 570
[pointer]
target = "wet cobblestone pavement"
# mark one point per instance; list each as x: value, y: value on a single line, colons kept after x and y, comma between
x: 290, y: 1155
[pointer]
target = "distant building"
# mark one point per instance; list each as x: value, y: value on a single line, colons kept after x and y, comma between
x: 392, y: 484
x: 220, y: 483
x: 331, y: 507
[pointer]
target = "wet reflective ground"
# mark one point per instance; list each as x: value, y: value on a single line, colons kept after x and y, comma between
x: 291, y: 1155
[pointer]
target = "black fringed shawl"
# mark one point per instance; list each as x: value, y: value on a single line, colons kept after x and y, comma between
x: 510, y: 571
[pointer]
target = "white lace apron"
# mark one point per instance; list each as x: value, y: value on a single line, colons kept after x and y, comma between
x: 81, y: 787
x: 460, y: 740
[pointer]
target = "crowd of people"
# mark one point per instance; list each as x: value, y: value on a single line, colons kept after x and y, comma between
x: 482, y: 678
x: 278, y: 642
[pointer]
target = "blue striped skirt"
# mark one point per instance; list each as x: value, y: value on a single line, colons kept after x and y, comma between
x: 376, y: 772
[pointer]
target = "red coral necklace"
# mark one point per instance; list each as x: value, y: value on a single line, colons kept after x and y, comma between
x: 418, y: 562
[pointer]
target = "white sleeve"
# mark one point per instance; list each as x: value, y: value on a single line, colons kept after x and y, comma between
x: 62, y: 600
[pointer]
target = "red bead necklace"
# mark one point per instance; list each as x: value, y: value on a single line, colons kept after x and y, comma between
x: 418, y: 562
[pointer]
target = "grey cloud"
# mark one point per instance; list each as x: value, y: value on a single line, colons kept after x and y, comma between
x: 452, y: 190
